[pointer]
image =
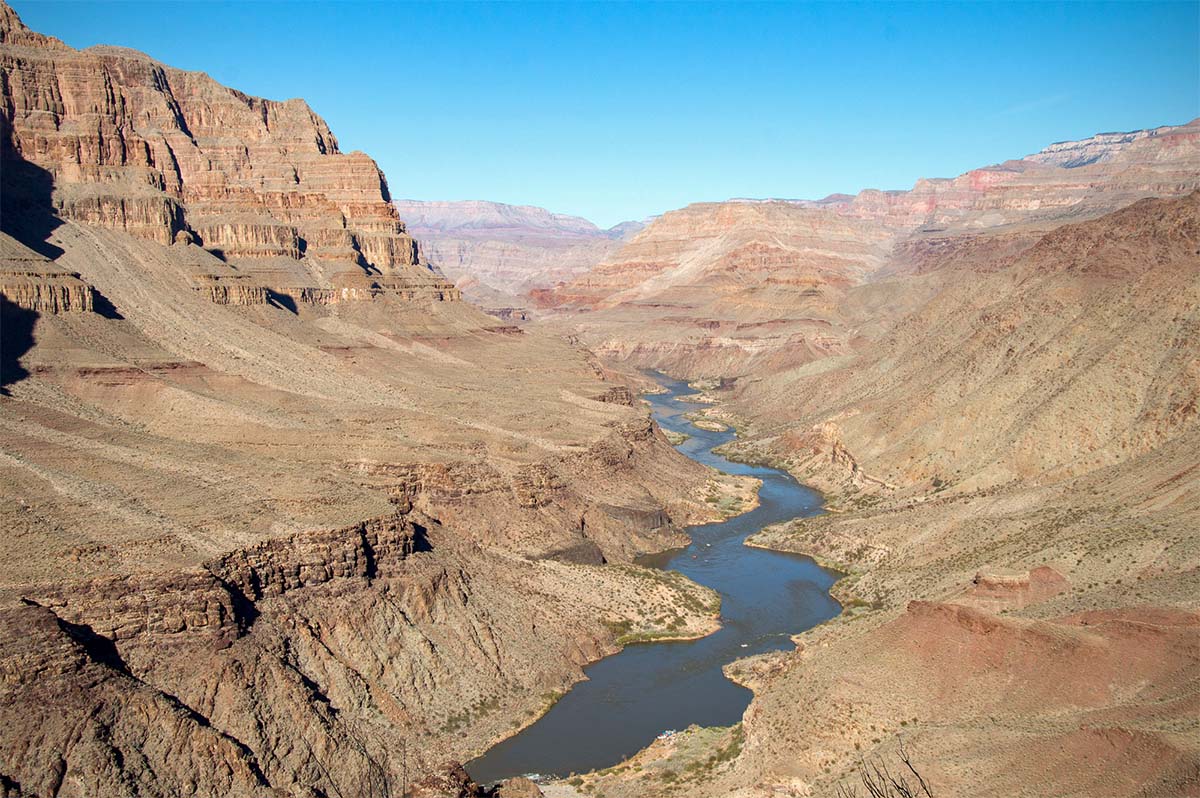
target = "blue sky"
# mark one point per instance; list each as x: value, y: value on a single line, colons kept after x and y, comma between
x: 620, y: 110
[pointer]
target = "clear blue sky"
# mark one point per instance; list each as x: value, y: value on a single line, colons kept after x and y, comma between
x: 616, y: 111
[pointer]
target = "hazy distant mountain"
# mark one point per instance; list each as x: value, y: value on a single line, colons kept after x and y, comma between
x: 494, y: 251
x: 482, y: 215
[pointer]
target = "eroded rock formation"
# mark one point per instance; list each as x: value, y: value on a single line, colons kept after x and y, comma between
x: 33, y: 282
x: 111, y: 138
x: 263, y: 536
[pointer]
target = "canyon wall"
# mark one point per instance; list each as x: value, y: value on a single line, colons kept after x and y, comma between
x: 282, y: 517
x: 724, y: 288
x: 1011, y: 470
x: 746, y: 286
x: 1076, y: 354
x: 111, y: 138
x: 1031, y: 438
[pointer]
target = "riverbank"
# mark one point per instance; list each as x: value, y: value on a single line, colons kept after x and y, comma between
x: 641, y: 604
x: 1053, y: 604
x: 686, y: 611
x: 631, y: 697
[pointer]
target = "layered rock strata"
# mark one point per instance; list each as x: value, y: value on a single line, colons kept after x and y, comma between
x: 111, y: 138
x: 744, y: 287
x: 263, y: 537
x: 31, y: 281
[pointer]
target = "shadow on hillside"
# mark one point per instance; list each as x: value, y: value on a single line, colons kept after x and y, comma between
x: 26, y: 203
x: 27, y: 214
x: 421, y: 539
x: 283, y: 301
x: 103, y: 306
x: 16, y: 338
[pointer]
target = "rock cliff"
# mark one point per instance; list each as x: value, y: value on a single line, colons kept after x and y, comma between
x: 109, y: 137
x: 31, y: 281
x: 280, y: 519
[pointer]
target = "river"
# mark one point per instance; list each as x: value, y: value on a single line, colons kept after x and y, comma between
x: 647, y: 688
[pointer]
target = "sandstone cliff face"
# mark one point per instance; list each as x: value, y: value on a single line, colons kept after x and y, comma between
x: 33, y: 282
x: 108, y: 137
x: 321, y: 663
x: 1148, y: 145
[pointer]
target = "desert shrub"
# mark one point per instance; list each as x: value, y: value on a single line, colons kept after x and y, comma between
x: 878, y: 781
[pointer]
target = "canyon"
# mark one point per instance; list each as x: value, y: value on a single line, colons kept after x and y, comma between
x: 309, y: 491
x: 1013, y: 502
x: 283, y: 514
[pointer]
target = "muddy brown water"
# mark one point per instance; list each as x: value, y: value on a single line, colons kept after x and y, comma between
x: 647, y: 688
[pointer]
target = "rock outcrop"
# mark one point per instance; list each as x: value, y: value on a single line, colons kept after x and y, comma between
x: 450, y: 781
x: 108, y: 137
x: 33, y: 282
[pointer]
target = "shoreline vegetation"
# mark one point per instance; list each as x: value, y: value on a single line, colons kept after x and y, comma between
x: 730, y: 495
x: 724, y: 496
x: 675, y: 438
x: 670, y: 761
